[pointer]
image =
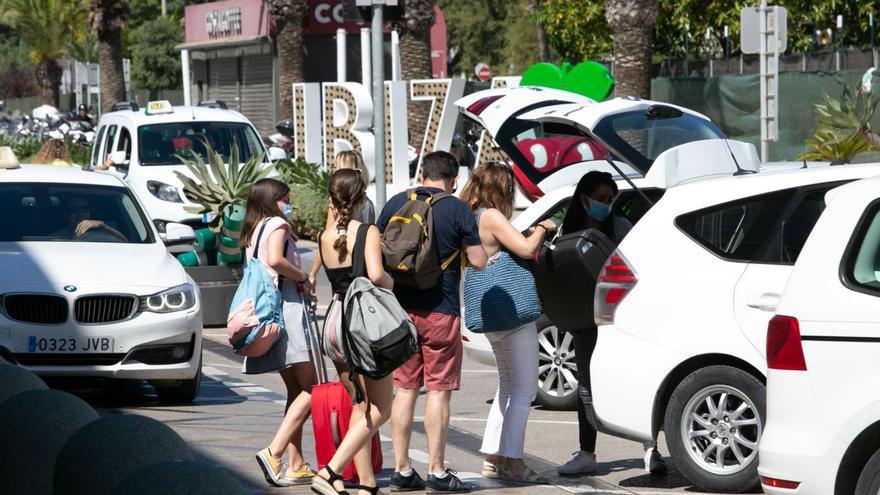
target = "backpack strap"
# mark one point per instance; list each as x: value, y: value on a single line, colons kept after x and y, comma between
x: 280, y: 276
x: 358, y: 261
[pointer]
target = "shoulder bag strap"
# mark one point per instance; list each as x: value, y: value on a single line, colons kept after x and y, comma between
x: 358, y: 261
x: 256, y: 254
x: 280, y: 276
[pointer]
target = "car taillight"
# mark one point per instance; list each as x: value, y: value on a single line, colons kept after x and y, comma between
x: 775, y: 483
x: 615, y: 282
x: 784, y: 349
x: 478, y: 106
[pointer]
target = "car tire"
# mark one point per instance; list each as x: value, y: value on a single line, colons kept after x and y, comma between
x: 717, y: 409
x: 558, y: 367
x: 869, y: 480
x: 180, y: 391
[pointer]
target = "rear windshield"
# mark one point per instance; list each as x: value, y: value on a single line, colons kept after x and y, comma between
x: 160, y: 144
x: 641, y: 136
x: 45, y: 212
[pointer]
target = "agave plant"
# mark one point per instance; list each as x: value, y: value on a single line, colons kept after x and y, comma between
x: 828, y: 146
x: 218, y: 184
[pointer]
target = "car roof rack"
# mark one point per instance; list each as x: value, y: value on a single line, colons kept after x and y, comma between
x: 214, y: 104
x: 125, y: 105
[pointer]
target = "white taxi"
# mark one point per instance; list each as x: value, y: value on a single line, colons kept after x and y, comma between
x: 88, y: 287
x: 144, y: 145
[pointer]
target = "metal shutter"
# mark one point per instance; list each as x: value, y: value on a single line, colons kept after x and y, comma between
x: 223, y: 81
x: 257, y: 102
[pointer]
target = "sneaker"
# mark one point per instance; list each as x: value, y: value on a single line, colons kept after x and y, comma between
x: 271, y: 467
x: 581, y: 463
x: 654, y: 463
x: 411, y: 483
x: 302, y: 476
x: 447, y: 484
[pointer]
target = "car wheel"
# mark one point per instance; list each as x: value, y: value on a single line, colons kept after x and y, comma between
x: 713, y: 424
x: 180, y: 391
x: 869, y: 480
x: 557, y: 370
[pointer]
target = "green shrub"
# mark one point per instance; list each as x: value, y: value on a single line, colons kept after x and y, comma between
x: 309, y: 210
x: 81, y: 154
x: 301, y: 172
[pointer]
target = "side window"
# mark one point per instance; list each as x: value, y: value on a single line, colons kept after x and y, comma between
x: 800, y: 223
x: 739, y: 230
x: 632, y: 206
x: 99, y: 141
x: 111, y: 138
x: 124, y: 143
x: 863, y: 260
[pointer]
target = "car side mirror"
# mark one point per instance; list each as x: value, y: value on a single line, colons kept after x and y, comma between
x: 177, y: 234
x: 276, y: 153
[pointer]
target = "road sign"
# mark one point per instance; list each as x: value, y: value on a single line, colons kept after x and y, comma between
x: 750, y: 29
x: 482, y: 72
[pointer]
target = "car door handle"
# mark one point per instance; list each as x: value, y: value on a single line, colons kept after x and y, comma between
x: 764, y: 302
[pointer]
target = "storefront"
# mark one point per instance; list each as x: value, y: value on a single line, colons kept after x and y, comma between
x: 233, y: 57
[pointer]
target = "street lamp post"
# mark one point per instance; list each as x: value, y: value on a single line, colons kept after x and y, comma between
x: 727, y: 47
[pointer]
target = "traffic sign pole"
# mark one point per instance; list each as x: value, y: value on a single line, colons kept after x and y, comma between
x: 377, y: 35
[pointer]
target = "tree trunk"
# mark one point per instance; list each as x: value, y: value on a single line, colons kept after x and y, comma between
x: 534, y: 7
x: 415, y: 60
x: 632, y: 22
x: 48, y: 74
x: 112, y: 74
x: 291, y: 57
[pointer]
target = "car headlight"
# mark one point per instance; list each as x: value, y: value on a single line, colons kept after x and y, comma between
x: 163, y: 191
x: 168, y: 301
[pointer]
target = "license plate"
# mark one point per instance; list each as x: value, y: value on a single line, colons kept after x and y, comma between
x: 74, y: 345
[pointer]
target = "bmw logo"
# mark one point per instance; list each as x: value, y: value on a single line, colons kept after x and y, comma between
x: 70, y: 288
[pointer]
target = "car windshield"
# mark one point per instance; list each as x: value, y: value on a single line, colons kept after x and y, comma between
x: 161, y: 144
x: 46, y: 212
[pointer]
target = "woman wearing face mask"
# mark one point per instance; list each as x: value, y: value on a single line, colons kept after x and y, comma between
x: 591, y: 208
x: 265, y: 225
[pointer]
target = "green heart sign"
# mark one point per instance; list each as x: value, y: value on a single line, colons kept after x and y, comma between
x: 590, y: 79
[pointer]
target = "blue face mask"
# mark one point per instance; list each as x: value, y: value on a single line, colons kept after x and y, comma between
x: 287, y: 210
x: 598, y: 210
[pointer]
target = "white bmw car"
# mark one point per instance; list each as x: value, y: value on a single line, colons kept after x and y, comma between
x: 88, y: 288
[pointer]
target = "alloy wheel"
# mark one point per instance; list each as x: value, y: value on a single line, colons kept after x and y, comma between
x: 557, y: 370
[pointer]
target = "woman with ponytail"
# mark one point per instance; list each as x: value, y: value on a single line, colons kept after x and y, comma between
x: 337, y: 246
x: 267, y: 235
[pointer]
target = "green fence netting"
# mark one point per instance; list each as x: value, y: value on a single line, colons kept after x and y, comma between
x: 733, y: 102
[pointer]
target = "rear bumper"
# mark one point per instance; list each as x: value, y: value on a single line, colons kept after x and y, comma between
x: 796, y: 445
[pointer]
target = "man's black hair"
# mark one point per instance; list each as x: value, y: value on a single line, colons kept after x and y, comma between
x: 439, y: 165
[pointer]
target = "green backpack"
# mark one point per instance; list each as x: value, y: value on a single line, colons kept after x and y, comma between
x: 408, y: 245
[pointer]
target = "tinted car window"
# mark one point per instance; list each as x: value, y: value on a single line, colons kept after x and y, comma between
x: 863, y: 260
x: 800, y: 223
x: 45, y: 212
x: 96, y: 150
x: 111, y: 137
x: 738, y: 230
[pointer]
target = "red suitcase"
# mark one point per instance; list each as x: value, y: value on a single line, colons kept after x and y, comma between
x: 331, y: 413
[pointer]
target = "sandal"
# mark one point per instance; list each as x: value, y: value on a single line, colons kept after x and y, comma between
x: 373, y: 490
x: 490, y: 470
x: 323, y: 486
x: 528, y: 476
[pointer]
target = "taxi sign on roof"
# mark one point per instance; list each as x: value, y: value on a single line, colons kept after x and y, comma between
x: 158, y: 107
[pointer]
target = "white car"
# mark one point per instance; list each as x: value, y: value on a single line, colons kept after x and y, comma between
x: 554, y: 137
x: 823, y: 354
x: 144, y: 142
x: 682, y: 312
x: 88, y: 288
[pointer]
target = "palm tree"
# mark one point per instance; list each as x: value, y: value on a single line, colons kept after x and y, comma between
x: 415, y: 55
x: 288, y: 16
x: 44, y: 25
x: 107, y: 18
x: 632, y: 24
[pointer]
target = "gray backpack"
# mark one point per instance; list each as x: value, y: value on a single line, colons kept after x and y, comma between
x: 378, y: 335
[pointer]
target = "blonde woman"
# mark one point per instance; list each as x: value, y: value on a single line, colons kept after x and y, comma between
x: 490, y: 194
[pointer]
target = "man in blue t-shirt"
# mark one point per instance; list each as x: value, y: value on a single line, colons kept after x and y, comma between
x: 436, y: 314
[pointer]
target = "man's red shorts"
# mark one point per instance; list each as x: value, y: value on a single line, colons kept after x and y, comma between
x: 437, y: 365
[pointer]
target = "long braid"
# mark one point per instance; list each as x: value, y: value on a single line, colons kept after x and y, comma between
x: 346, y: 192
x: 342, y: 219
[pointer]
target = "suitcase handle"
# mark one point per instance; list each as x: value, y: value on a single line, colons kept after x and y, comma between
x: 317, y: 354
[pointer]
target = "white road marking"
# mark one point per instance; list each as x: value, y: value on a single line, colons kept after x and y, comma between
x: 257, y: 389
x: 480, y: 371
x: 463, y: 419
x: 280, y: 402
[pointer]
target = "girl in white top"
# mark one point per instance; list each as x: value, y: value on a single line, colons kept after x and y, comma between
x: 268, y: 207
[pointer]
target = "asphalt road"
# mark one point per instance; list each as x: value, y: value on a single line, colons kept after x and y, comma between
x: 236, y: 415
